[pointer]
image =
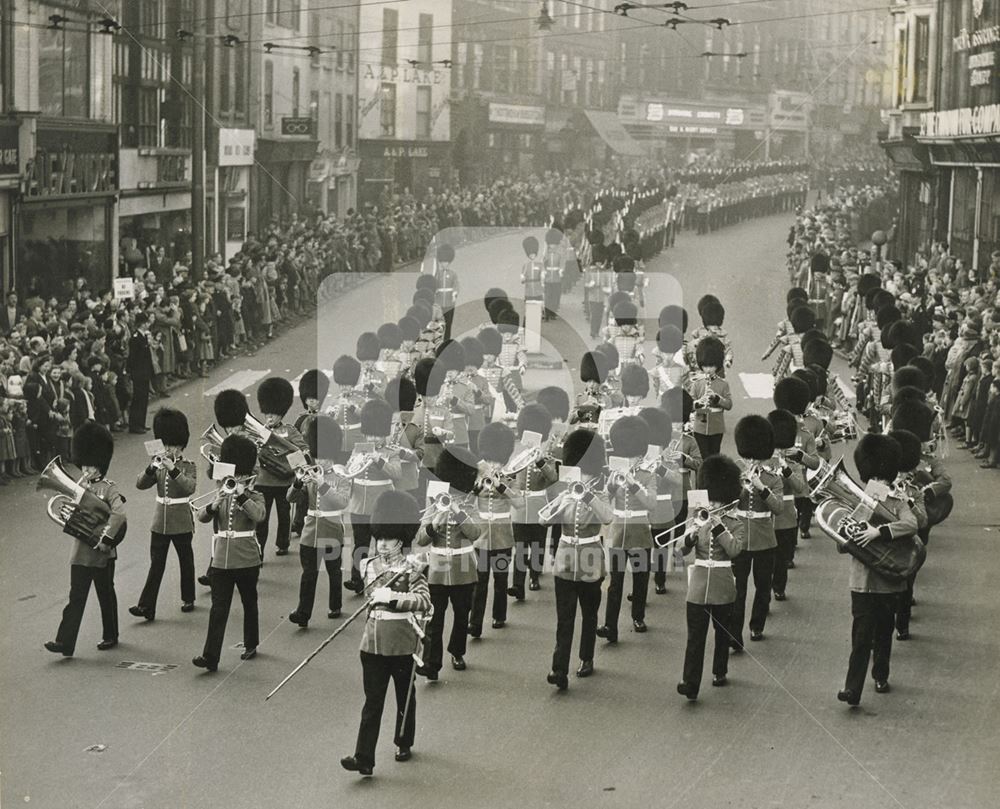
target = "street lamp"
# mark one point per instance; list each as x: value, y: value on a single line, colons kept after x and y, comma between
x: 544, y: 21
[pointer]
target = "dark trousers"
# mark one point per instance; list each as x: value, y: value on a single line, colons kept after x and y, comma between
x: 497, y: 565
x: 460, y: 596
x: 276, y: 497
x: 568, y: 594
x: 660, y: 566
x: 596, y: 316
x: 698, y: 618
x: 310, y: 558
x: 553, y: 295
x: 159, y: 546
x: 784, y: 553
x: 80, y: 578
x: 762, y: 565
x: 638, y: 560
x: 223, y: 581
x: 299, y: 517
x: 139, y: 404
x: 804, y: 507
x: 904, y: 606
x: 871, y: 638
x: 361, y: 525
x: 377, y: 671
x: 708, y: 444
x: 529, y: 546
x: 449, y: 317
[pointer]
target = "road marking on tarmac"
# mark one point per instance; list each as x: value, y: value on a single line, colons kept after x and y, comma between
x: 295, y: 382
x: 758, y: 386
x: 241, y: 380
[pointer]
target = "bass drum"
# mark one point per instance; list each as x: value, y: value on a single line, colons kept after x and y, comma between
x: 896, y: 560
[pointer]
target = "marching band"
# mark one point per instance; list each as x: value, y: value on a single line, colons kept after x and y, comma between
x: 421, y: 419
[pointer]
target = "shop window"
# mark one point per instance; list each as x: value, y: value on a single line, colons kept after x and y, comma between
x: 388, y: 111
x: 424, y: 113
x: 921, y: 58
x: 390, y: 36
x: 63, y: 71
x: 239, y: 81
x: 425, y: 47
x: 225, y: 78
x: 352, y: 37
x: 338, y: 115
x: 296, y: 90
x: 149, y: 116
x: 340, y: 44
x: 349, y: 124
x: 268, y: 94
x: 58, y: 245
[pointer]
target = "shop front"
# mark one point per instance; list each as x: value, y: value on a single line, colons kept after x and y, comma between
x: 397, y: 166
x: 232, y: 189
x: 65, y: 218
x: 10, y: 177
x: 282, y: 177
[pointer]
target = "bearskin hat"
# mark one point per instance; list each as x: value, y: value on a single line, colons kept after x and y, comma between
x: 908, y: 375
x: 396, y: 515
x: 661, y: 431
x: 473, y: 351
x: 314, y: 384
x: 796, y: 293
x: 703, y: 300
x: 496, y: 442
x: 610, y: 354
x: 93, y: 445
x: 613, y: 251
x: 809, y: 378
x: 456, y: 466
x: 324, y: 438
x: 624, y: 264
x: 626, y: 314
x: 616, y: 298
x: 508, y: 320
x: 428, y: 375
x: 427, y: 281
x: 669, y: 339
x: 593, y: 367
x: 710, y: 352
x: 534, y: 418
x: 376, y: 418
x: 820, y: 262
x: 241, y: 452
x: 423, y: 296
x: 530, y: 246
x: 910, y: 449
x: 452, y: 355
x: 886, y: 316
x: 877, y: 456
x: 230, y: 408
x: 491, y: 341
x: 803, y: 318
x: 595, y: 237
x: 585, y: 449
x: 674, y: 315
x: 908, y: 393
x: 926, y: 367
x: 635, y: 380
x: 446, y: 253
x: 899, y: 332
x: 597, y: 253
x: 868, y: 282
x: 818, y: 353
x: 171, y: 427
x: 555, y: 400
x: 677, y: 404
x: 630, y: 236
x: 882, y: 298
x: 914, y: 416
x: 420, y: 312
x: 625, y: 281
x: 720, y: 477
x: 553, y: 236
x: 754, y: 438
x: 493, y: 294
x: 401, y: 394
x: 275, y: 395
x: 820, y: 375
x: 629, y: 437
x: 496, y: 308
x: 713, y: 313
x: 409, y: 327
x: 812, y: 336
x: 901, y: 355
x: 784, y: 427
x: 792, y: 394
x: 346, y: 370
x: 389, y: 336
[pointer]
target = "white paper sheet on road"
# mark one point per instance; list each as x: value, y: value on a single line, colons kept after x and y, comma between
x: 241, y: 380
x: 758, y: 386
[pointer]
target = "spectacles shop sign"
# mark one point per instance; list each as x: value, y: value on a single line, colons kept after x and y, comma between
x: 961, y: 123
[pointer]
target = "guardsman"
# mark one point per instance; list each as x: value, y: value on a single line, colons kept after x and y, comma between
x: 371, y: 381
x: 716, y: 540
x: 793, y: 394
x: 910, y: 458
x: 450, y: 535
x: 532, y: 271
x: 236, y: 554
x: 579, y: 569
x: 710, y: 395
x: 390, y: 363
x: 482, y: 397
x: 313, y: 388
x: 346, y: 407
x: 447, y: 286
x: 788, y: 458
x: 322, y: 497
x: 399, y: 597
x: 274, y: 398
x: 430, y: 426
x: 495, y: 495
x: 455, y: 394
x: 626, y: 334
x: 630, y: 541
x: 175, y: 479
x: 663, y: 460
x: 97, y: 524
x: 760, y: 500
x: 593, y: 283
x: 713, y: 314
x: 670, y: 371
x: 554, y: 264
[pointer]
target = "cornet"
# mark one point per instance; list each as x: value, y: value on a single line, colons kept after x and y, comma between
x: 315, y: 473
x: 438, y: 505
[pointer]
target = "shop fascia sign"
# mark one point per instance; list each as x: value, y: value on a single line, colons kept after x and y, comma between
x: 516, y: 114
x: 236, y: 147
x: 405, y: 75
x: 406, y: 151
x: 64, y: 172
x: 961, y: 123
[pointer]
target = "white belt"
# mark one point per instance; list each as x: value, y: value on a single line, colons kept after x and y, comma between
x: 788, y: 497
x: 712, y: 563
x: 580, y: 540
x: 387, y: 615
x: 628, y: 513
x: 752, y: 514
x: 316, y: 512
x: 452, y: 551
x: 235, y: 534
x: 363, y: 482
x: 534, y: 492
x: 496, y: 515
x: 666, y: 496
x: 172, y: 501
x: 445, y: 289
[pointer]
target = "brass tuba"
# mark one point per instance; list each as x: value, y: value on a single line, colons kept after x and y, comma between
x: 55, y: 478
x: 272, y: 449
x: 213, y: 436
x: 833, y: 482
x: 89, y: 511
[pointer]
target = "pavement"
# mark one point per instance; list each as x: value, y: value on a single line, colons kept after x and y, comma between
x: 96, y: 732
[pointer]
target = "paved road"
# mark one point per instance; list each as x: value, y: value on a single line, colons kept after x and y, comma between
x: 498, y: 734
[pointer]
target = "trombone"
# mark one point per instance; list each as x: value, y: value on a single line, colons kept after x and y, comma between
x: 227, y: 487
x: 576, y: 491
x: 701, y: 516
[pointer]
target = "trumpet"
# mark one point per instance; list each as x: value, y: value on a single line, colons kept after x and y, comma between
x: 438, y: 505
x: 774, y: 344
x: 752, y: 471
x: 315, y: 473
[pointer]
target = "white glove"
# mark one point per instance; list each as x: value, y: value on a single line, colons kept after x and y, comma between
x: 383, y: 595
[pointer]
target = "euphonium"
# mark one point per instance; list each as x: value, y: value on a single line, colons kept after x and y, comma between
x: 213, y: 436
x: 836, y: 484
x: 55, y: 478
x: 271, y: 447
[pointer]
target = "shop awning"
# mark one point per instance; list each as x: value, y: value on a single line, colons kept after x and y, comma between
x: 610, y: 129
